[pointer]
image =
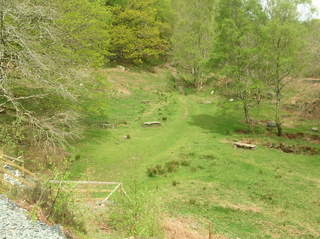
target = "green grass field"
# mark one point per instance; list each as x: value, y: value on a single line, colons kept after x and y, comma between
x: 263, y: 193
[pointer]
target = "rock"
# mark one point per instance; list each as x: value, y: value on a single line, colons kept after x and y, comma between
x: 271, y: 124
x: 11, y: 180
x: 152, y: 123
x: 315, y: 129
x: 15, y: 224
x: 107, y: 125
x: 122, y: 68
x: 244, y: 145
x: 127, y: 136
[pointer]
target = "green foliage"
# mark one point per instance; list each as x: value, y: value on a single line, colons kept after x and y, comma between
x: 42, y: 43
x: 57, y: 204
x: 192, y: 39
x: 93, y: 103
x: 137, y: 215
x: 236, y: 54
x: 232, y: 188
x: 85, y: 30
x: 137, y: 33
x: 169, y: 167
x: 282, y: 44
x: 310, y: 53
x: 282, y: 40
x: 31, y: 71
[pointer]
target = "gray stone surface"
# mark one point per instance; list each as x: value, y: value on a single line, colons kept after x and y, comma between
x: 15, y: 224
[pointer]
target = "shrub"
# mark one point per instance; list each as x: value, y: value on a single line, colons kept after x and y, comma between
x: 172, y: 166
x: 155, y: 171
x: 137, y: 215
x: 169, y: 167
x: 56, y: 204
x: 185, y: 163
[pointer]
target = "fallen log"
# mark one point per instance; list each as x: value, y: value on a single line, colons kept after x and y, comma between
x: 244, y: 145
x: 153, y: 123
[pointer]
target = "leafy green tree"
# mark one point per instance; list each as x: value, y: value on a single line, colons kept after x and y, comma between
x: 282, y: 43
x: 192, y: 38
x: 310, y: 55
x: 85, y: 30
x: 137, y: 33
x: 236, y: 54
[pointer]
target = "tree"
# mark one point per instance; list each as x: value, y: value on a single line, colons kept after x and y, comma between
x: 85, y: 30
x: 137, y: 33
x: 236, y: 53
x: 192, y: 38
x: 310, y: 55
x: 281, y: 47
x: 35, y: 85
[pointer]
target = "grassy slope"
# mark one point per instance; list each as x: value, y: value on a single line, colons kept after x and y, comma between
x: 246, y: 194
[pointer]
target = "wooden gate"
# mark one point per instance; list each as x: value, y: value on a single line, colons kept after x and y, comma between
x: 100, y: 192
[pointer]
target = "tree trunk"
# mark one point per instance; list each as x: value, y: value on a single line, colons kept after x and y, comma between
x: 278, y: 108
x: 2, y: 43
x: 245, y: 105
x: 246, y: 112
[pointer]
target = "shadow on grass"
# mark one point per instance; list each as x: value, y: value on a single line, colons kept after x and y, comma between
x: 223, y: 121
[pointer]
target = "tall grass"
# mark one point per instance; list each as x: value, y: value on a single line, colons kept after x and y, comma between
x: 138, y: 214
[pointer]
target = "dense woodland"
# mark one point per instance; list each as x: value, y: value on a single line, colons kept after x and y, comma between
x: 243, y: 50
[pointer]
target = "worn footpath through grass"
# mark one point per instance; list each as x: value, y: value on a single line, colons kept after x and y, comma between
x: 263, y: 193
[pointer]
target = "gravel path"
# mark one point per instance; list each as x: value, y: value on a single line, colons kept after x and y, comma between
x: 14, y: 224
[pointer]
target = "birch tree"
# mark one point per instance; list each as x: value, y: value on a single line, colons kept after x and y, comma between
x: 192, y: 38
x: 236, y: 54
x: 282, y: 44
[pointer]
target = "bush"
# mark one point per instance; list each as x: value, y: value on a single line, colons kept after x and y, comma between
x: 155, y: 171
x: 172, y: 166
x: 137, y: 215
x: 169, y: 167
x: 55, y: 204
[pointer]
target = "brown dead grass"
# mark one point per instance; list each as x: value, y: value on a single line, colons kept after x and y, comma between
x: 186, y: 228
x: 124, y: 91
x: 305, y: 102
x: 241, y: 207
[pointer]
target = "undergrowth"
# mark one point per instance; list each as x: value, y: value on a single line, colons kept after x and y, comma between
x: 52, y: 203
x: 169, y: 167
x: 138, y: 214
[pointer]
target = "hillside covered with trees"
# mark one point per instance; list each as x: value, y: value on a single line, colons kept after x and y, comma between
x: 159, y: 95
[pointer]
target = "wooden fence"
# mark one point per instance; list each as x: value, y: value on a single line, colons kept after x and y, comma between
x: 87, y: 190
x: 92, y: 190
x: 9, y: 165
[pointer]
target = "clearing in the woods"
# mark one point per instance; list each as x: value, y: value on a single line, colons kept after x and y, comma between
x: 190, y: 163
